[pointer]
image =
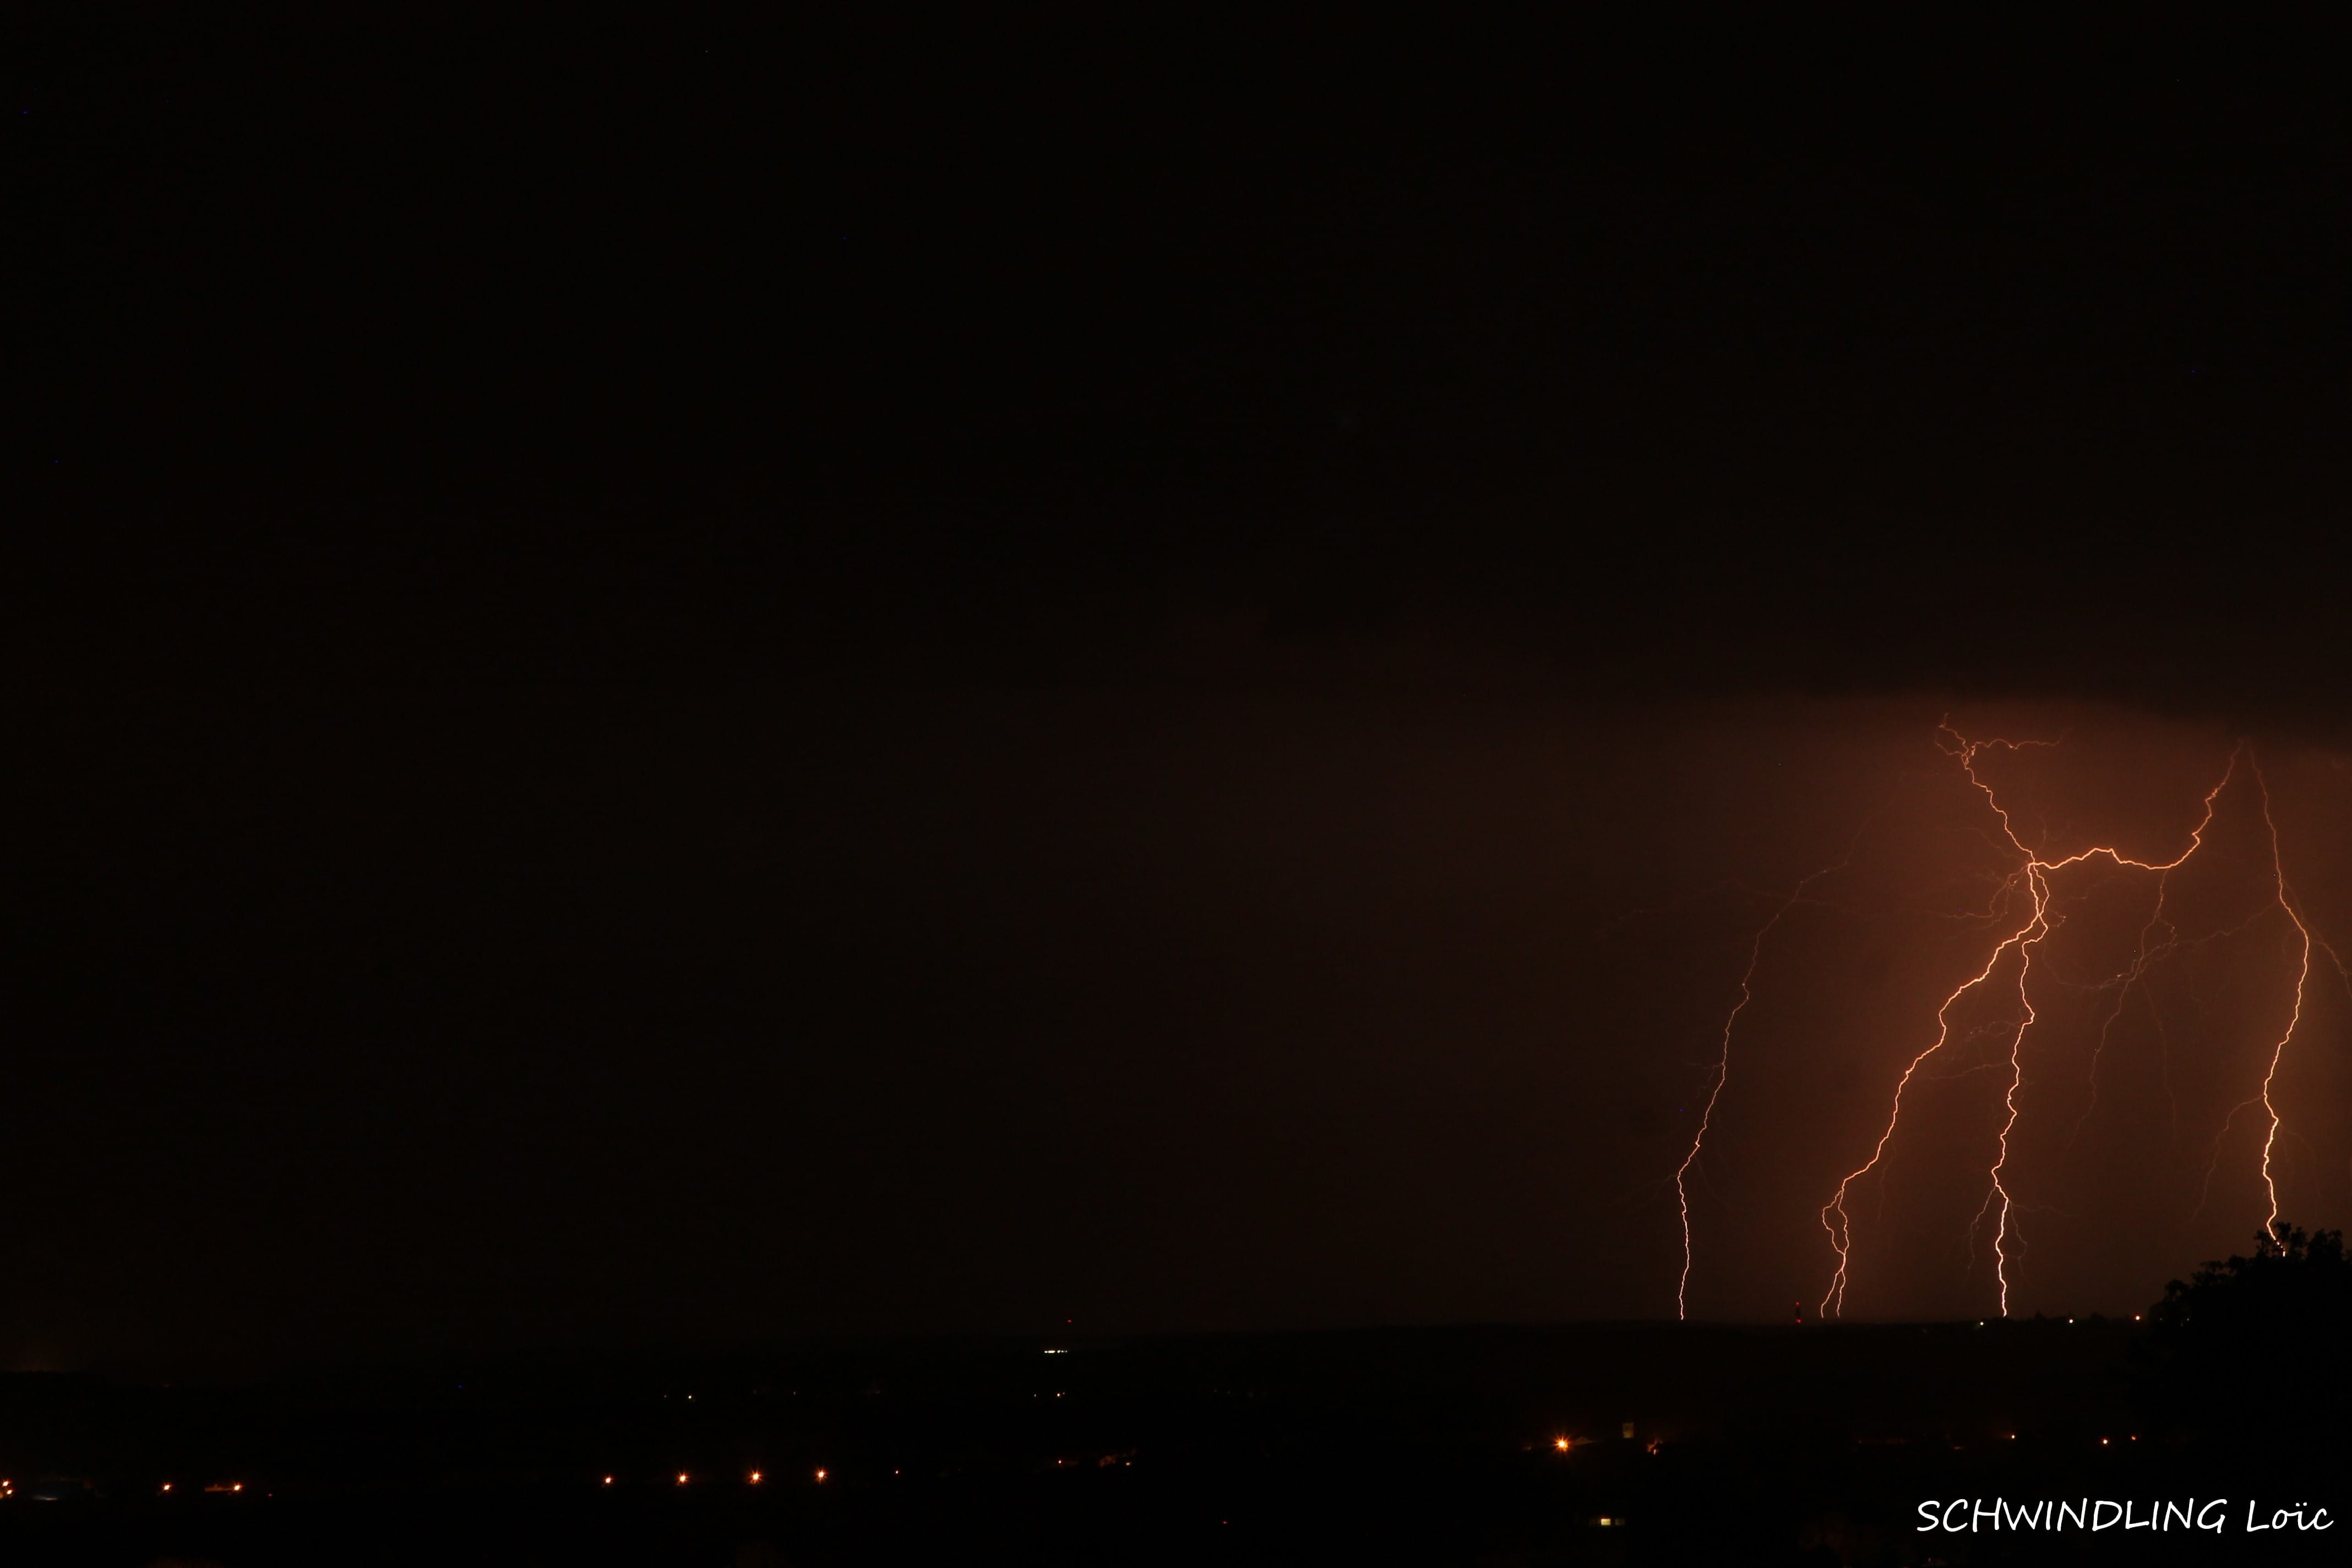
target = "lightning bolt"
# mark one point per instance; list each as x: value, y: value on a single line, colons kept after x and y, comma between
x: 1723, y: 1062
x: 2038, y: 886
x: 1834, y: 1218
x: 2030, y: 884
x: 2302, y: 977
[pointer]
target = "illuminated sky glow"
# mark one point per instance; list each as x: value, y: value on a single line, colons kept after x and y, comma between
x: 2022, y: 914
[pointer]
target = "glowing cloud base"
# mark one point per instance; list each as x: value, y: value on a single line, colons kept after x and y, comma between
x: 2021, y: 911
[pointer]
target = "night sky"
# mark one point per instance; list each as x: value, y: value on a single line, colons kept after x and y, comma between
x: 690, y: 683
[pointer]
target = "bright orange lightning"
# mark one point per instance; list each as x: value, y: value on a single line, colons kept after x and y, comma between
x: 2033, y: 876
x: 1841, y: 1230
x: 2039, y: 887
x: 2301, y: 975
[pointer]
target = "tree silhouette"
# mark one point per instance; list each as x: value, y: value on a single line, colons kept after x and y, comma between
x: 2258, y: 1346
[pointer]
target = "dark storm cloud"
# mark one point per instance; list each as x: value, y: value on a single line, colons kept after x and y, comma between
x: 490, y: 1015
x: 1764, y: 359
x: 704, y: 683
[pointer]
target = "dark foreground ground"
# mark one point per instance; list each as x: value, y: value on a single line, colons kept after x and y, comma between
x: 1683, y: 1444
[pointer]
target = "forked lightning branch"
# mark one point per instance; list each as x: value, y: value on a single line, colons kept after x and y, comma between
x: 2020, y: 913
